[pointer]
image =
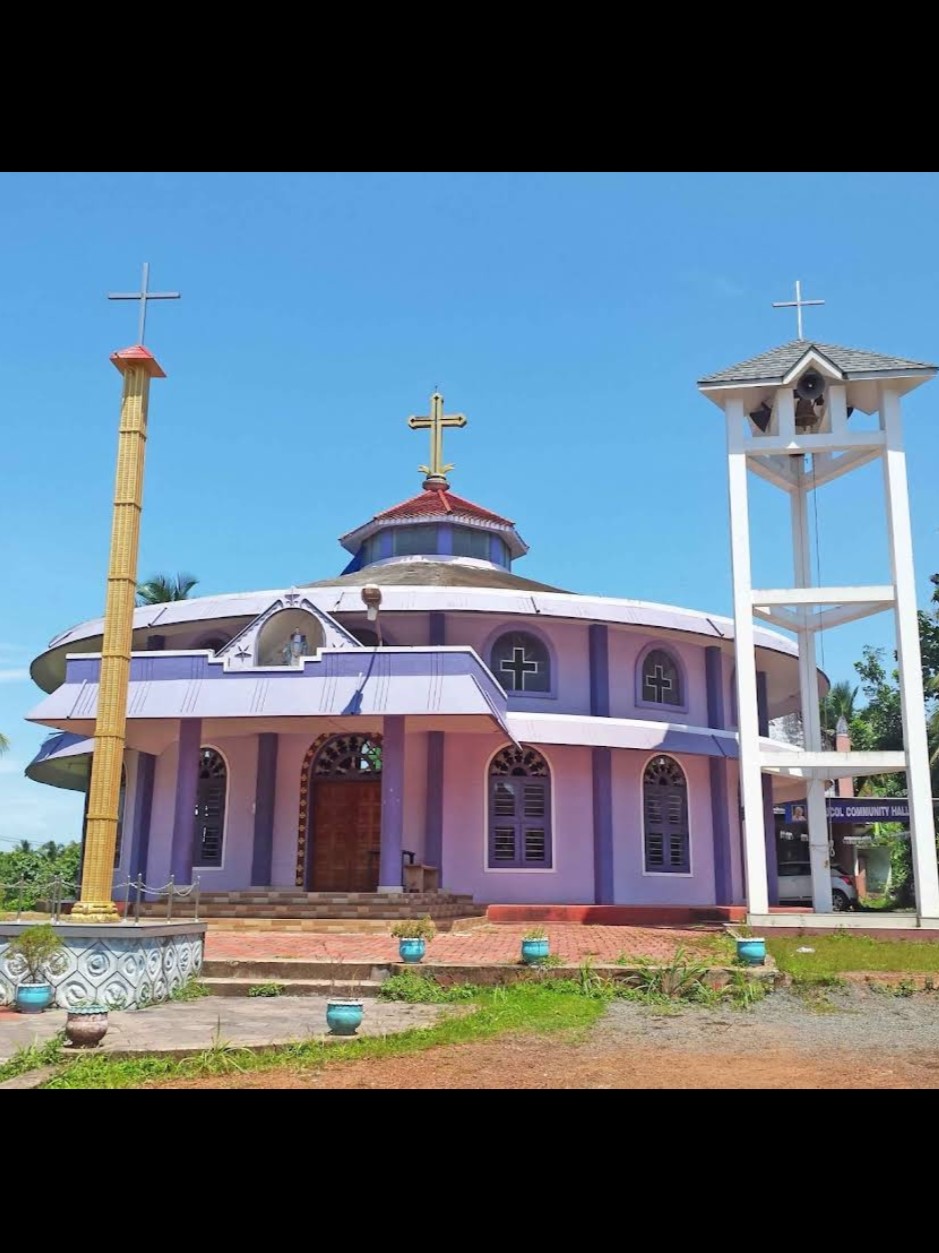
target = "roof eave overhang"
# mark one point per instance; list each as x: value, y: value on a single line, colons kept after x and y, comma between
x: 719, y: 392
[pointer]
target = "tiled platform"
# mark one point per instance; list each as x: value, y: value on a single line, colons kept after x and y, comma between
x: 493, y: 943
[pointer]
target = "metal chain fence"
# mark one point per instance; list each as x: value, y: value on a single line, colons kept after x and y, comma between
x: 52, y: 896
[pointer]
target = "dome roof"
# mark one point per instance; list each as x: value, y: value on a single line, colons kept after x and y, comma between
x: 426, y: 572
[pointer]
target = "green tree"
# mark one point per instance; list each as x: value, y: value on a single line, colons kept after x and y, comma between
x: 26, y: 873
x: 838, y: 702
x: 878, y: 726
x: 161, y: 588
x: 4, y: 743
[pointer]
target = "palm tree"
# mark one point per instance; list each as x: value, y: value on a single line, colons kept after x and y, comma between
x: 838, y: 702
x: 161, y: 588
x: 4, y: 743
x: 50, y: 850
x: 24, y: 846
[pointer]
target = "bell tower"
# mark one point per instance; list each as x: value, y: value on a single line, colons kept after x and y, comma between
x: 788, y: 416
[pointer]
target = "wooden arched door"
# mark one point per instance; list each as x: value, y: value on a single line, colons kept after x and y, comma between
x: 344, y: 838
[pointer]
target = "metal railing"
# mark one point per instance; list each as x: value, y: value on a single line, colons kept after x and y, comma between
x: 51, y: 895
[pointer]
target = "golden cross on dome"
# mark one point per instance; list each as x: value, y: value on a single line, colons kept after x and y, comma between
x: 436, y: 471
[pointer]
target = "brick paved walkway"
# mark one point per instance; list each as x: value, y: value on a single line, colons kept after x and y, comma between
x: 481, y: 946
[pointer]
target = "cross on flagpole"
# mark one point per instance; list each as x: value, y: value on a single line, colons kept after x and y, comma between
x: 798, y: 304
x: 143, y: 296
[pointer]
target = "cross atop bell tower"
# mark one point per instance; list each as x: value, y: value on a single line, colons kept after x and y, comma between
x: 435, y: 470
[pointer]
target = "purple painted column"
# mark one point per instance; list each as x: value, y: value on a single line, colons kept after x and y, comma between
x: 769, y: 819
x: 392, y: 804
x: 433, y: 827
x: 601, y: 767
x: 433, y: 821
x: 599, y: 670
x: 602, y: 825
x: 187, y: 789
x: 438, y: 627
x: 143, y: 805
x: 719, y: 781
x: 264, y: 786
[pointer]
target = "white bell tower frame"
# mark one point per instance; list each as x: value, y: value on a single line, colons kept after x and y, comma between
x: 787, y: 415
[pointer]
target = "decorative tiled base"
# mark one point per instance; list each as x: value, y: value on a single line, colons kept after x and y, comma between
x: 115, y: 964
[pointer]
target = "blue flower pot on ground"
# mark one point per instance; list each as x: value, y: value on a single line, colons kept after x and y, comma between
x: 534, y: 951
x: 33, y: 998
x: 343, y: 1017
x: 411, y: 950
x: 752, y: 951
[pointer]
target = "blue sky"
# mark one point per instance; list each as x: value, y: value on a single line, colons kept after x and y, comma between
x: 568, y: 315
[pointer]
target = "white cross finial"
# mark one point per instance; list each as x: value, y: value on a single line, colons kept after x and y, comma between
x: 798, y: 304
x: 143, y: 296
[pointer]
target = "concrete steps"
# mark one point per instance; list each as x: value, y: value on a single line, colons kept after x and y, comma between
x: 295, y: 987
x: 280, y: 969
x: 297, y: 977
x: 290, y: 906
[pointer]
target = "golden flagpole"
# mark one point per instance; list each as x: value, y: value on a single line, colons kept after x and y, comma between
x: 138, y: 367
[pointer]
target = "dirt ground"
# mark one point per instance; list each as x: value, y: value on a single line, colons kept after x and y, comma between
x: 852, y: 1040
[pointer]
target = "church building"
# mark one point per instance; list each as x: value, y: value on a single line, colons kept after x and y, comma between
x: 429, y: 718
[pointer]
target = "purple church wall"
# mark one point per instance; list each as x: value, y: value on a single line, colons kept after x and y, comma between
x: 415, y: 793
x: 465, y: 828
x: 626, y: 649
x: 291, y: 751
x: 633, y: 884
x: 568, y: 647
x: 736, y: 833
x: 157, y: 870
x: 241, y: 758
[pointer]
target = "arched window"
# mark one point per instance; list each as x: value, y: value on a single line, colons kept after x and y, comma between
x: 661, y: 679
x: 519, y: 810
x: 521, y: 663
x: 348, y: 757
x: 209, y: 828
x: 665, y: 818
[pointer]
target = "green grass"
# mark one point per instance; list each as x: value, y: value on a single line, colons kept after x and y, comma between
x: 191, y: 990
x: 267, y: 989
x: 835, y: 954
x: 32, y: 1057
x: 711, y: 949
x: 420, y: 989
x: 534, y: 1008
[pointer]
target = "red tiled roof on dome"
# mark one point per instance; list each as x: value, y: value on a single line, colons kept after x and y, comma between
x: 437, y: 501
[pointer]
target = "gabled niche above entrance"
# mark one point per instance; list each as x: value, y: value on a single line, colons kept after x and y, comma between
x: 291, y: 628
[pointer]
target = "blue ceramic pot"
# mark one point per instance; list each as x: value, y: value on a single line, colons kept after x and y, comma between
x: 33, y: 998
x: 534, y: 951
x: 343, y: 1017
x: 752, y: 951
x: 411, y: 950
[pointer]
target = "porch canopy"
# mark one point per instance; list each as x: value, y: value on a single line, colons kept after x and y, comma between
x: 435, y: 688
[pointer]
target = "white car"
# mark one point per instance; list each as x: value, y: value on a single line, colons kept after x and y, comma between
x: 795, y: 885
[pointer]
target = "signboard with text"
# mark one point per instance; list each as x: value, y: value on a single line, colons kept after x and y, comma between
x: 854, y: 809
